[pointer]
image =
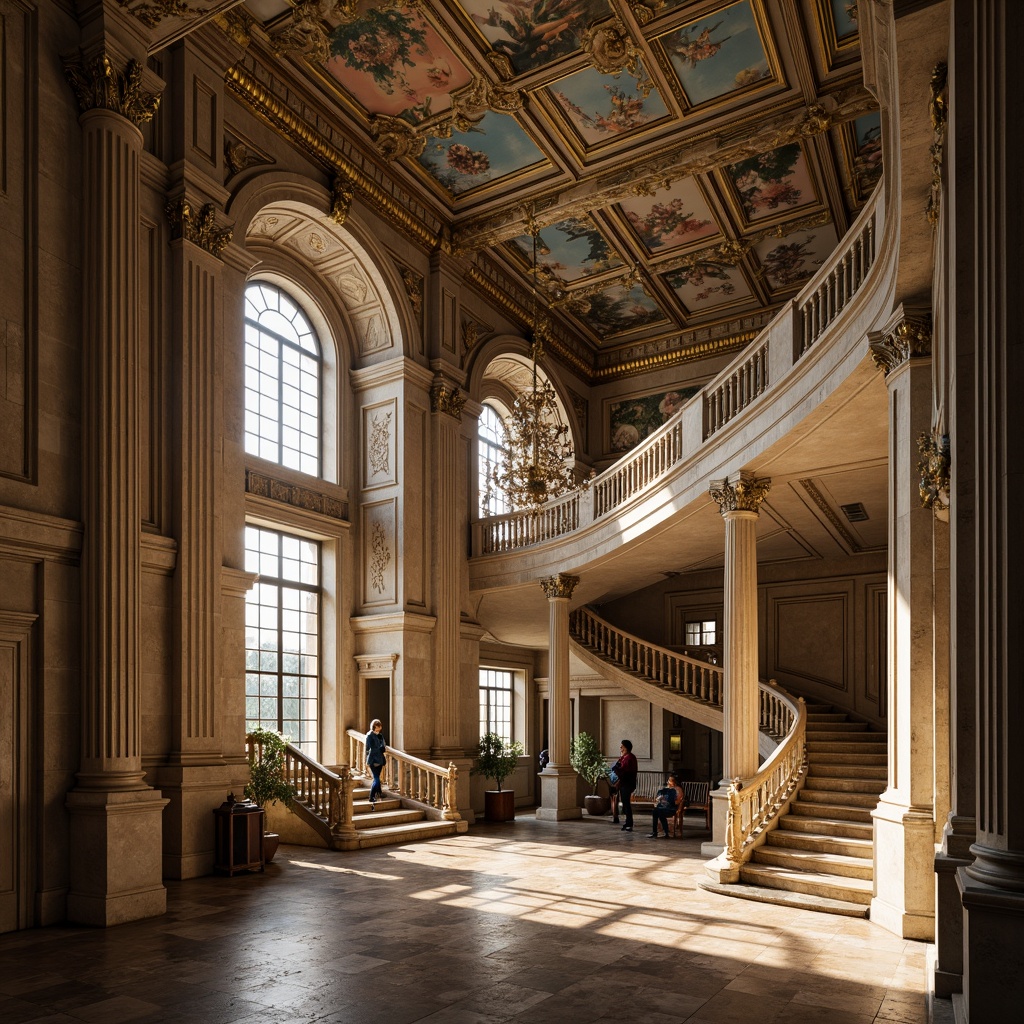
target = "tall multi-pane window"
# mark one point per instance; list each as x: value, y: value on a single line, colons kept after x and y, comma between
x: 282, y: 635
x: 701, y: 633
x: 282, y: 380
x: 491, y: 444
x: 496, y: 702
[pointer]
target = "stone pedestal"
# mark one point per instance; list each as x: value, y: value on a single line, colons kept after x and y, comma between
x: 558, y: 797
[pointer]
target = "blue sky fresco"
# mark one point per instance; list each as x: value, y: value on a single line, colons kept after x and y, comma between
x: 495, y: 147
x: 729, y: 57
x: 570, y: 249
x: 602, y: 107
x: 845, y: 25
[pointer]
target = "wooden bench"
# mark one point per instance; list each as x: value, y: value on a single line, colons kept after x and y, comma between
x: 697, y: 794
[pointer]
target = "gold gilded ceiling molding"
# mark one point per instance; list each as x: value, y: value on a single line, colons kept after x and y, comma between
x: 634, y: 367
x: 395, y: 138
x: 98, y: 85
x: 695, y: 156
x: 342, y: 195
x: 501, y: 64
x: 645, y: 13
x: 152, y: 12
x: 612, y: 50
x: 236, y: 25
x: 296, y: 130
x: 471, y: 103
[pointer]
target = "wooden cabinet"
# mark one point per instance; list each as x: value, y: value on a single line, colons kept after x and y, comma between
x: 239, y: 837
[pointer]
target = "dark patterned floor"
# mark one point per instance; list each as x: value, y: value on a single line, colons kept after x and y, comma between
x: 532, y: 921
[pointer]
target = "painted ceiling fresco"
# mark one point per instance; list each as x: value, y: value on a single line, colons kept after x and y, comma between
x: 686, y: 163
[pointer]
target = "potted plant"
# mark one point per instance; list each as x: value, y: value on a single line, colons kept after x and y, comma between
x: 588, y: 762
x: 267, y: 783
x: 497, y: 759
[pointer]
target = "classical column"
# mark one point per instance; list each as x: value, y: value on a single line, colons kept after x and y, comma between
x: 956, y: 461
x: 992, y: 888
x: 446, y: 413
x: 115, y: 871
x: 194, y: 776
x: 904, y: 820
x: 558, y: 780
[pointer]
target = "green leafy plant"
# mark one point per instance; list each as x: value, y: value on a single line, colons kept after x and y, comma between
x: 267, y: 783
x: 496, y: 759
x: 587, y: 760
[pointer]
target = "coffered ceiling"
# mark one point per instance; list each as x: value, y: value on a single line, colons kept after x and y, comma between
x: 688, y: 164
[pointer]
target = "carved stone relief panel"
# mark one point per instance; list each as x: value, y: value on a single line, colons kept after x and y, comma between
x: 372, y: 334
x: 380, y: 553
x: 380, y: 426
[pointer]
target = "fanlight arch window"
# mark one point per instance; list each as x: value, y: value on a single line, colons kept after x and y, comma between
x: 492, y: 451
x: 283, y: 380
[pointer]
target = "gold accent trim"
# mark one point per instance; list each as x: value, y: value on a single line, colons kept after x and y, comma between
x: 413, y: 289
x: 934, y: 470
x: 341, y: 198
x: 740, y: 493
x: 907, y: 335
x: 561, y: 585
x: 262, y: 486
x: 267, y: 106
x: 396, y: 138
x: 612, y: 50
x: 829, y: 513
x: 937, y: 107
x: 447, y: 399
x: 152, y: 12
x: 200, y: 229
x: 98, y: 85
x: 662, y: 360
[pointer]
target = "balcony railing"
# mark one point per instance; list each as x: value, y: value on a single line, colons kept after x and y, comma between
x: 760, y: 367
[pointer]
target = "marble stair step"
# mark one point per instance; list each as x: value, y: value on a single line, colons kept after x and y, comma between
x: 843, y: 812
x: 844, y: 846
x: 389, y: 835
x: 826, y: 826
x: 850, y: 890
x: 840, y: 785
x: 845, y: 747
x: 785, y: 898
x: 814, y: 862
x: 843, y: 799
x: 382, y: 817
x: 840, y: 726
x: 848, y: 771
x: 843, y: 757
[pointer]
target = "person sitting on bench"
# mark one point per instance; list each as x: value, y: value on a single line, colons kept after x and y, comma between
x: 665, y: 803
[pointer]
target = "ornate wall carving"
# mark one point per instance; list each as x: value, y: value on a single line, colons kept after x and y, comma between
x: 263, y: 486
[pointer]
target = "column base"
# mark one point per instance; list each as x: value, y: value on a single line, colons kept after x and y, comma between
x: 904, y: 863
x: 194, y: 791
x: 558, y: 795
x: 116, y: 856
x: 948, y: 977
x: 993, y: 949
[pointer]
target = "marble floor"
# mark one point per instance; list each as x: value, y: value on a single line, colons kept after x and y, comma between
x: 526, y: 921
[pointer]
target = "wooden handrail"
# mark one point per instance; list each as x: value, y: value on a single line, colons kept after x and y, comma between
x: 411, y: 777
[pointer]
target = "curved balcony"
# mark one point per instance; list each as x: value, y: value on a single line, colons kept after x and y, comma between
x: 804, y: 386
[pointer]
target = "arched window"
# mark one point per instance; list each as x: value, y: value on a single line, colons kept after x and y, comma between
x: 282, y: 380
x: 491, y: 441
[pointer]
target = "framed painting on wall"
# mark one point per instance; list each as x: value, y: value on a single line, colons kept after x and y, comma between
x: 630, y: 420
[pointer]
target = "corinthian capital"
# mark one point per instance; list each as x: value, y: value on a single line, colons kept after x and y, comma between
x: 448, y: 399
x: 907, y: 334
x: 200, y: 228
x: 99, y: 85
x: 560, y: 585
x: 740, y: 493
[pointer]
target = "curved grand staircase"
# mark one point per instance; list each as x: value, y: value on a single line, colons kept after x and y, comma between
x: 821, y: 854
x: 818, y: 854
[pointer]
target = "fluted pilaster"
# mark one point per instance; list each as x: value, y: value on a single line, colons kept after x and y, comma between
x: 446, y: 414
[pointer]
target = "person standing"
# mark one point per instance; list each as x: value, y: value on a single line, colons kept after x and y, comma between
x: 375, y: 761
x: 626, y: 768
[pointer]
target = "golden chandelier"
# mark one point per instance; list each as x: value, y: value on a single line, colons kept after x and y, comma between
x: 537, y: 463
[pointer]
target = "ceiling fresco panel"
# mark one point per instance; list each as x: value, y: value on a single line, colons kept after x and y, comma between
x: 707, y: 286
x: 392, y: 61
x: 600, y: 108
x: 533, y: 33
x: 772, y: 184
x: 569, y: 250
x: 786, y: 263
x: 494, y: 148
x: 717, y: 55
x: 620, y: 309
x: 673, y: 217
